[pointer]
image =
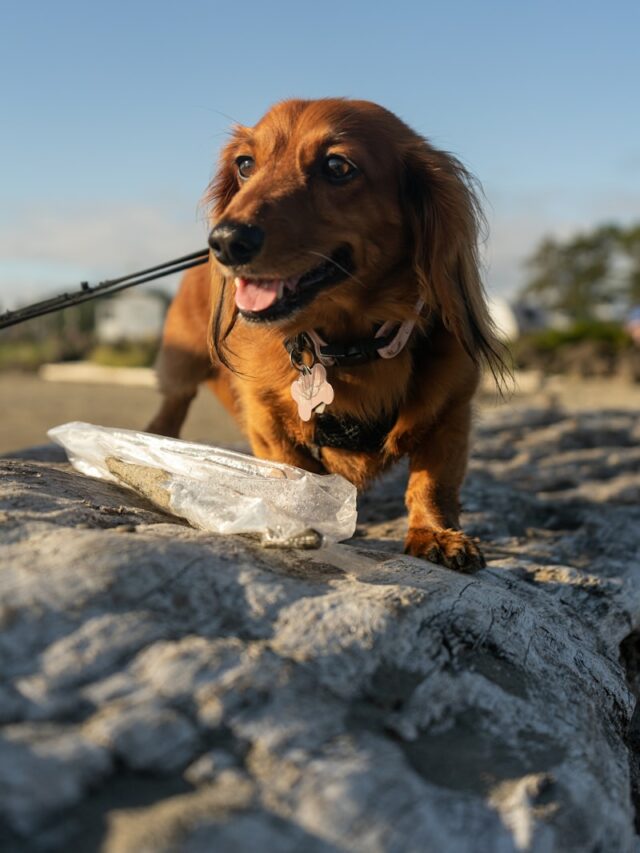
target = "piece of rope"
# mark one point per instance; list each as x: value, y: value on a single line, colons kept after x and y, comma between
x: 103, y: 288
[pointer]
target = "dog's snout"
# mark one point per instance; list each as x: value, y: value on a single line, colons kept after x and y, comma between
x: 234, y: 243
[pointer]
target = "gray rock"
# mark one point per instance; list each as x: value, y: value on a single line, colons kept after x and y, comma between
x: 45, y: 769
x: 169, y: 690
x: 144, y: 736
x: 209, y: 766
x: 97, y: 646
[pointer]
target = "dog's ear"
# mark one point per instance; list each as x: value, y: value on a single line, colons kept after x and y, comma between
x: 444, y: 217
x: 217, y: 196
x: 224, y: 184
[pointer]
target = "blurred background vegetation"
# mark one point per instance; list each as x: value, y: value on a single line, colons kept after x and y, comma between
x: 585, y: 294
x: 119, y: 331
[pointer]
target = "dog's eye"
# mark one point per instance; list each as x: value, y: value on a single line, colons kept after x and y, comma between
x: 245, y: 166
x: 338, y: 169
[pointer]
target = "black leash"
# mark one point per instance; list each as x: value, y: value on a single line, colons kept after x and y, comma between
x: 103, y: 288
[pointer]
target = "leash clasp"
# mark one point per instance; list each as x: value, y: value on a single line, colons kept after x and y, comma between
x: 300, y: 347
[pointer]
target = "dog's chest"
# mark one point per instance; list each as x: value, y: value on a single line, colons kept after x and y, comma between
x: 338, y: 429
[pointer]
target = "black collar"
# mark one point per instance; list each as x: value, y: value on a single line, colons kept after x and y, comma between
x: 340, y: 355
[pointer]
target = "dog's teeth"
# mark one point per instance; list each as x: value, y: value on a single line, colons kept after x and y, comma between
x: 280, y: 289
x: 236, y: 281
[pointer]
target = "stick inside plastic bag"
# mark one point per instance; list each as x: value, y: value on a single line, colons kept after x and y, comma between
x: 214, y: 489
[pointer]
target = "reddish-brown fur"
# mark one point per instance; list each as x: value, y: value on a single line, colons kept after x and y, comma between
x: 411, y: 221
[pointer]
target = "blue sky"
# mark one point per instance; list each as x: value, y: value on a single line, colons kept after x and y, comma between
x: 113, y: 115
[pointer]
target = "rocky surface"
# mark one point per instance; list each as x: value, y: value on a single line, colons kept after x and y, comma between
x: 167, y: 690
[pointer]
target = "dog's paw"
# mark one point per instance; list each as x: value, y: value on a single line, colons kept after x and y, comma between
x: 450, y: 548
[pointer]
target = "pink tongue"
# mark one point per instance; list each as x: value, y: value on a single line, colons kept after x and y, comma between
x: 251, y: 296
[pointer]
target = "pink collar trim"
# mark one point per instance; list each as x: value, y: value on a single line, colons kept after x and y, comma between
x: 391, y: 350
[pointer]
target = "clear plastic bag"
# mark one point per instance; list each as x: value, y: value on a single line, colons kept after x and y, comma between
x: 214, y: 489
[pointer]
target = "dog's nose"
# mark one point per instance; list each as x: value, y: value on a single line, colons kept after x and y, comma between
x: 234, y: 243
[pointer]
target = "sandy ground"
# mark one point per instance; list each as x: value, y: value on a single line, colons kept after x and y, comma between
x: 31, y: 406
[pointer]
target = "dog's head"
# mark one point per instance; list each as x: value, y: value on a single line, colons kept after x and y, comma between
x: 336, y: 207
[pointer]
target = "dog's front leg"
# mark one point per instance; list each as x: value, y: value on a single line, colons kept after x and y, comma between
x: 437, y: 467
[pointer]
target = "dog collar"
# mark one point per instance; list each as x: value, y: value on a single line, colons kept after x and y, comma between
x: 388, y: 342
x: 311, y: 390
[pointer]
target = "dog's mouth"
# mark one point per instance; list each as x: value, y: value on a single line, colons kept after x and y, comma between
x: 269, y: 299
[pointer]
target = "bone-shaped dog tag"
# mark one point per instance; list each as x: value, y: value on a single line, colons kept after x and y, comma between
x: 311, y: 391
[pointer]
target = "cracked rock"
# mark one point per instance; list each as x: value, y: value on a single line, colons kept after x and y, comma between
x: 178, y: 691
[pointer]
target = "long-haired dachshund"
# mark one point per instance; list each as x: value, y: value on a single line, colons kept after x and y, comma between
x: 341, y: 318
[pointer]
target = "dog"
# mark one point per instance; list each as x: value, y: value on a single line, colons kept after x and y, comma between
x: 341, y: 318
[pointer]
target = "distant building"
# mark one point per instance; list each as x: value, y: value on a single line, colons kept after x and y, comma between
x: 504, y: 318
x: 533, y: 318
x: 512, y: 319
x: 130, y: 316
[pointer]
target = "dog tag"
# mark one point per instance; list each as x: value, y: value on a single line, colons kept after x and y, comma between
x: 311, y: 391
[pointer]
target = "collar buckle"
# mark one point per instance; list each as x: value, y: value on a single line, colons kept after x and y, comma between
x: 297, y: 348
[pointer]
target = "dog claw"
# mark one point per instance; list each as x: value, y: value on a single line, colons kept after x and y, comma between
x: 450, y: 548
x: 433, y: 555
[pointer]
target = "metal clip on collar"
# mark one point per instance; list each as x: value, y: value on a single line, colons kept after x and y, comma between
x: 297, y: 348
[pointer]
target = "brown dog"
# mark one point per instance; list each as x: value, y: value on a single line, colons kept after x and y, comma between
x: 341, y: 241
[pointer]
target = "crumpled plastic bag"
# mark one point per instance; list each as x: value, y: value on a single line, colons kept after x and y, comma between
x: 214, y: 489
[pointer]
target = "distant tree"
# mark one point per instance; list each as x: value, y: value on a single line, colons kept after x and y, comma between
x: 630, y: 244
x: 575, y: 276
